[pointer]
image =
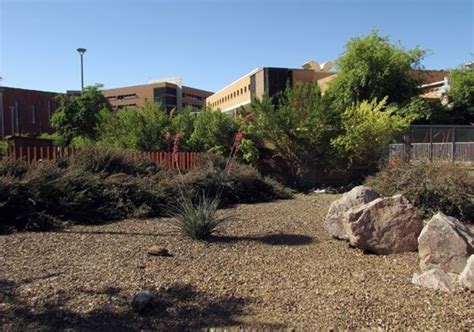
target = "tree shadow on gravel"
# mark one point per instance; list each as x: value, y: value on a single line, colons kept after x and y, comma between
x: 273, y: 239
x: 176, y: 308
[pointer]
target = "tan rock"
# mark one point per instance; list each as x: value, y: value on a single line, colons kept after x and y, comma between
x: 445, y: 243
x: 384, y: 226
x: 466, y: 278
x: 435, y: 279
x: 334, y: 219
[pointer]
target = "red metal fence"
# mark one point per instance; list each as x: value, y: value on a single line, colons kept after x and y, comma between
x: 32, y: 152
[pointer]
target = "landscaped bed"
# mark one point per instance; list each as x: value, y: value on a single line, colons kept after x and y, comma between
x: 274, y: 266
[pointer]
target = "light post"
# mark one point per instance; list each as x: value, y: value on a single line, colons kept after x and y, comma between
x: 81, y: 52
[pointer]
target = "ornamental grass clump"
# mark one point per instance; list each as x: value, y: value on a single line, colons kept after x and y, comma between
x: 198, y: 219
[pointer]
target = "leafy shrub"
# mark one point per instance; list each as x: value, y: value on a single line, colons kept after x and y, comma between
x: 111, y: 161
x: 431, y: 187
x: 12, y: 167
x: 19, y: 209
x: 102, y: 185
x: 198, y: 219
x: 242, y: 184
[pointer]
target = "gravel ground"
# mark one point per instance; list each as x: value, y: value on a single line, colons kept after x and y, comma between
x: 273, y: 267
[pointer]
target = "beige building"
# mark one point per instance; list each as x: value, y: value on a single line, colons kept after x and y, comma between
x: 169, y: 92
x: 266, y: 80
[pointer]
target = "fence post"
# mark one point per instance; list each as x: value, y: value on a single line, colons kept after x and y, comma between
x: 454, y: 144
x: 431, y: 144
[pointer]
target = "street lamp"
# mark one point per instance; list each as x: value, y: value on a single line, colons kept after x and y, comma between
x: 81, y: 52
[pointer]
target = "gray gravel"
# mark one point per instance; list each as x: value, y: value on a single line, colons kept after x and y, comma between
x: 273, y: 267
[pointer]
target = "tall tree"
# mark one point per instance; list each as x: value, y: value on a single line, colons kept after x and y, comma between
x: 461, y: 95
x: 80, y: 115
x: 298, y: 127
x: 372, y: 67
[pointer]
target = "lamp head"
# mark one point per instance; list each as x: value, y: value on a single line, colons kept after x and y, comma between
x: 81, y: 50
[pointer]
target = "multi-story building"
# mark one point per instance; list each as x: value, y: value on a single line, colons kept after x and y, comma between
x: 261, y: 81
x: 25, y: 111
x: 169, y: 92
x: 270, y: 81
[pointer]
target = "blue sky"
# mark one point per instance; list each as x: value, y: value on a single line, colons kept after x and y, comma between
x: 210, y: 43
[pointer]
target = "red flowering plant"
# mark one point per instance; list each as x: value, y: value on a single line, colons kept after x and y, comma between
x: 197, y: 217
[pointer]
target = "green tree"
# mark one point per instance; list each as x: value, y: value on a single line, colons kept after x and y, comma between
x: 214, y: 131
x: 80, y: 115
x: 368, y: 129
x: 297, y: 127
x: 183, y: 123
x: 461, y: 95
x: 372, y: 67
x: 141, y: 128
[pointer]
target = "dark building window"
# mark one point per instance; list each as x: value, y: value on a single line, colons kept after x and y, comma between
x: 276, y: 80
x: 33, y: 114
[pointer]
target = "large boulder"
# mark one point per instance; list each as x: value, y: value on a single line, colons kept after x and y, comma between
x: 445, y: 243
x: 384, y: 226
x: 334, y: 219
x: 435, y: 279
x: 466, y: 278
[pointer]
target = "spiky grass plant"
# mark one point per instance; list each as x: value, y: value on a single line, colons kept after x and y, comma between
x: 198, y: 219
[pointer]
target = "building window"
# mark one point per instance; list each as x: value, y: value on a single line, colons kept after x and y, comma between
x: 33, y: 114
x: 49, y: 109
x: 245, y: 89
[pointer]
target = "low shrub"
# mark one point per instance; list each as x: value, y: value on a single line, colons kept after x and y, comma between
x: 20, y: 210
x: 110, y: 161
x: 431, y: 187
x: 101, y: 185
x: 12, y: 167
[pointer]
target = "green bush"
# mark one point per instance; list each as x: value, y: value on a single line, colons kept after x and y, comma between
x: 12, y: 167
x: 431, y: 187
x: 111, y: 161
x: 101, y: 185
x: 239, y: 184
x: 20, y: 210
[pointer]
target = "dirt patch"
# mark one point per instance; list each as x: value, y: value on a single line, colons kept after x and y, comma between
x: 272, y: 267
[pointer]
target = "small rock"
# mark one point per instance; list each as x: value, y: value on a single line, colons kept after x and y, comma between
x: 334, y: 219
x: 466, y: 278
x: 157, y: 251
x: 435, y: 279
x: 142, y: 301
x: 445, y: 243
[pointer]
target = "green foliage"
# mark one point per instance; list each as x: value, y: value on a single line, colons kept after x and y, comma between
x: 3, y: 146
x: 80, y: 115
x: 13, y: 168
x: 461, y: 95
x: 372, y: 67
x: 462, y: 86
x: 112, y: 161
x: 213, y: 132
x: 183, y: 123
x: 57, y: 139
x: 431, y: 187
x: 368, y: 129
x: 298, y: 128
x: 198, y: 219
x: 142, y: 128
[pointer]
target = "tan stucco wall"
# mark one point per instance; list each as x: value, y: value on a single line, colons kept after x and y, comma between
x: 235, y: 94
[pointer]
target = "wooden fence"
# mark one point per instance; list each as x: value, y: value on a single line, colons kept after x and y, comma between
x: 458, y: 151
x: 33, y: 153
